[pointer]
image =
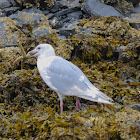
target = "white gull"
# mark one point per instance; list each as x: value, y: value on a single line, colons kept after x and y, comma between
x: 65, y: 78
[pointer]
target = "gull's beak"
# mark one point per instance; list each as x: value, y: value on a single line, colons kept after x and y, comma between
x: 33, y: 53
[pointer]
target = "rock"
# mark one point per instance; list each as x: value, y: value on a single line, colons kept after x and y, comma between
x: 41, y: 31
x: 76, y: 15
x: 39, y: 22
x: 32, y: 10
x: 119, y: 100
x: 97, y: 8
x: 69, y: 29
x: 123, y: 55
x: 125, y: 7
x: 135, y: 106
x: 131, y: 50
x: 70, y: 3
x: 9, y: 33
x: 4, y: 4
x: 134, y: 20
x: 55, y: 23
x: 65, y: 12
x: 10, y: 10
x: 45, y: 12
x: 13, y: 2
x: 33, y: 18
x: 57, y: 7
x: 2, y: 14
x: 136, y: 9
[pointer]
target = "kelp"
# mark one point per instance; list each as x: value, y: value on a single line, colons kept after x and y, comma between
x: 30, y: 110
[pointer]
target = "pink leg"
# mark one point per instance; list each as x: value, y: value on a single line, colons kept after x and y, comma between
x: 61, y: 107
x: 78, y: 105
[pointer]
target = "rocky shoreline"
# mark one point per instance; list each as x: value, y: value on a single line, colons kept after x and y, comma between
x: 101, y: 37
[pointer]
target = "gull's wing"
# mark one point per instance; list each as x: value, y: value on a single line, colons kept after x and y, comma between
x: 68, y: 80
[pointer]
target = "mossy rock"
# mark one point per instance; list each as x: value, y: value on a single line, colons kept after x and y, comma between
x: 9, y: 33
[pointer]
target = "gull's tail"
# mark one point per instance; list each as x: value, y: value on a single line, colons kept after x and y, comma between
x: 94, y: 94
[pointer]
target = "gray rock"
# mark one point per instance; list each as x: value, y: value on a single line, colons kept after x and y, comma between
x: 33, y: 18
x: 13, y: 2
x: 69, y: 29
x: 135, y: 106
x: 50, y: 16
x: 123, y: 55
x: 45, y: 12
x: 4, y: 4
x: 2, y: 14
x: 97, y: 8
x: 134, y: 20
x: 57, y: 7
x: 70, y: 3
x: 10, y: 10
x: 136, y: 9
x: 32, y: 10
x: 76, y: 15
x: 65, y: 12
x: 55, y: 23
x: 41, y: 31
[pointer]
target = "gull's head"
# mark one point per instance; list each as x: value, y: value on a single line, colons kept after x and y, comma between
x: 42, y: 50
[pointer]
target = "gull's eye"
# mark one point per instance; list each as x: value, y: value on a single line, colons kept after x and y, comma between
x: 39, y: 48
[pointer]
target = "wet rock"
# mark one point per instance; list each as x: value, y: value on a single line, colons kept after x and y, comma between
x: 135, y: 106
x: 10, y: 10
x: 97, y: 8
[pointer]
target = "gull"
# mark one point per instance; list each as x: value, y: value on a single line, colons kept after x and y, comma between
x: 65, y: 78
